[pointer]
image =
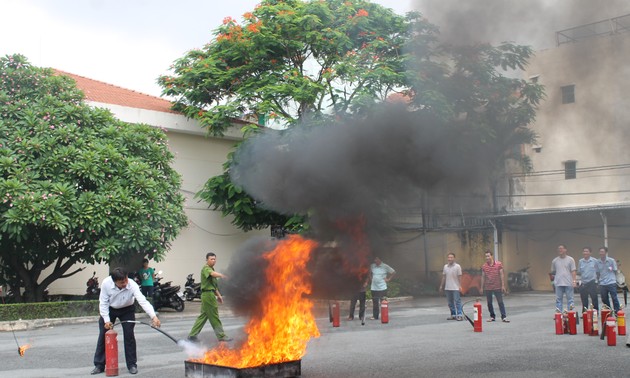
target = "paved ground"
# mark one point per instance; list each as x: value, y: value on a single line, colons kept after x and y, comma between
x: 418, y: 342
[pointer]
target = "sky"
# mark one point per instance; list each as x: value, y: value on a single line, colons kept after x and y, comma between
x: 122, y: 42
x: 130, y: 43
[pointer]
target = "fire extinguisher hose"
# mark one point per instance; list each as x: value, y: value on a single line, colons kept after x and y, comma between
x: 150, y: 325
x: 464, y: 313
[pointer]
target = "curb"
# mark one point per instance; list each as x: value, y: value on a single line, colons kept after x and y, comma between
x: 191, y: 311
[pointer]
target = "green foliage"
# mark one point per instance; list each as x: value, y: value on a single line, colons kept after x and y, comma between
x: 48, y: 310
x: 290, y: 59
x: 474, y: 93
x: 77, y: 185
x: 320, y: 60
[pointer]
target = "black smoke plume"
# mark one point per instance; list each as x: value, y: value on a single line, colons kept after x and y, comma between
x: 351, y: 178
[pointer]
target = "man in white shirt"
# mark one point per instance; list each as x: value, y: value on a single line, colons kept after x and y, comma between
x: 451, y: 284
x: 118, y: 294
x: 380, y: 275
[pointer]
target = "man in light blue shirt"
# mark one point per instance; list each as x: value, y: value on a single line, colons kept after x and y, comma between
x: 380, y: 274
x: 587, y: 268
x: 607, y: 273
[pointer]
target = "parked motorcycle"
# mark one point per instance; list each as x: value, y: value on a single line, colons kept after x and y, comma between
x: 166, y: 295
x: 192, y: 290
x: 93, y: 290
x: 519, y: 280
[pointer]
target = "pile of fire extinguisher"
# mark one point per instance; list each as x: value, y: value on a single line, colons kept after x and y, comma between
x: 593, y: 321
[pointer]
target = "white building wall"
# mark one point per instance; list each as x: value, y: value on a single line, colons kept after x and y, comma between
x: 594, y: 130
x: 197, y: 158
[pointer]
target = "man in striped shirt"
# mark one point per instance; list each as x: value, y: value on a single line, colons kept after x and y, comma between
x: 493, y: 282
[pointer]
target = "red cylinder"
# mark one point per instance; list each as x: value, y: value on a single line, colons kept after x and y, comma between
x: 384, y: 311
x: 335, y: 314
x: 111, y: 353
x: 572, y: 315
x: 559, y: 325
x: 611, y: 335
x: 477, y: 316
x: 594, y: 323
x: 586, y: 321
x: 603, y: 315
x: 621, y: 323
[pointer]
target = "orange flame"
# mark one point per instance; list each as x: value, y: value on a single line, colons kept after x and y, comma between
x: 355, y: 228
x: 23, y: 349
x: 281, y: 332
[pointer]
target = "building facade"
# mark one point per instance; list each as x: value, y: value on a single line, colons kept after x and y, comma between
x: 197, y: 158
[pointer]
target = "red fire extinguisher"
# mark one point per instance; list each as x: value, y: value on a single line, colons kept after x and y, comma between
x: 111, y: 353
x: 572, y: 319
x: 335, y: 313
x: 586, y: 321
x: 604, y: 316
x: 384, y: 310
x: 559, y: 325
x: 477, y: 316
x: 594, y: 324
x: 621, y: 323
x: 611, y: 335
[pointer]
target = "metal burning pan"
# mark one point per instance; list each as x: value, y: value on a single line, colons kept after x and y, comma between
x: 282, y: 370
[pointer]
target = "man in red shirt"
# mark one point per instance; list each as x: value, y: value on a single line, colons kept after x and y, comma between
x: 493, y: 282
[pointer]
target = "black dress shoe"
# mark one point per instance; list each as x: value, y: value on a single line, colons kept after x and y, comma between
x: 97, y: 370
x: 133, y: 370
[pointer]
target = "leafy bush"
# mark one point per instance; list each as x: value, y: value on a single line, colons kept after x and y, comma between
x: 48, y: 310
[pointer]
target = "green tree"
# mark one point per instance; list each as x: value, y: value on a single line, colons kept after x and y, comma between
x: 288, y: 61
x: 475, y: 92
x: 77, y: 185
x: 321, y: 60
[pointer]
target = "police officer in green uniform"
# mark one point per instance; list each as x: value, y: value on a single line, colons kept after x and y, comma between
x: 210, y: 299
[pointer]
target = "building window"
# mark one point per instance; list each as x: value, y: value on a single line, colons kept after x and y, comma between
x: 570, y: 169
x: 568, y: 94
x: 534, y: 79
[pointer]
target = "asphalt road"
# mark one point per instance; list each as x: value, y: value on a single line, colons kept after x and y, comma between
x: 418, y: 342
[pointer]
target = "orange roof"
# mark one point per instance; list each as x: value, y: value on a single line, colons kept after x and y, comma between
x: 99, y: 91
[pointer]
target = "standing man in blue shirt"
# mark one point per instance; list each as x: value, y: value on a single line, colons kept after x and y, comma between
x: 607, y: 272
x: 380, y: 274
x: 587, y: 268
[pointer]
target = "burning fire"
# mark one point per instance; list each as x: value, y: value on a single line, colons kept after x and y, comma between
x: 23, y: 349
x: 281, y: 332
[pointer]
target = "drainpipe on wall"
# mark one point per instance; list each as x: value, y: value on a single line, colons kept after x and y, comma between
x: 495, y: 237
x: 605, y: 228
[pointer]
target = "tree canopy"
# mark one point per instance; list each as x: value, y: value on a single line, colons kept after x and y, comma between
x: 292, y: 59
x: 327, y: 60
x: 77, y: 185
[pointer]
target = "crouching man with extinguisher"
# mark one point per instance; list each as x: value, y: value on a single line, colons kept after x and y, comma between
x: 117, y: 298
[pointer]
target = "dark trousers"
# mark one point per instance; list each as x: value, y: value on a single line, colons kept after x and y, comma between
x: 588, y: 289
x: 360, y: 296
x: 604, y: 290
x: 147, y: 291
x: 125, y: 313
x: 499, y: 295
x: 376, y: 302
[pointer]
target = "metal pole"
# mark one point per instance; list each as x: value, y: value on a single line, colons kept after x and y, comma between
x: 605, y: 228
x: 495, y: 236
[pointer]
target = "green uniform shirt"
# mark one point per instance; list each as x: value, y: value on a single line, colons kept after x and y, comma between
x: 207, y: 281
